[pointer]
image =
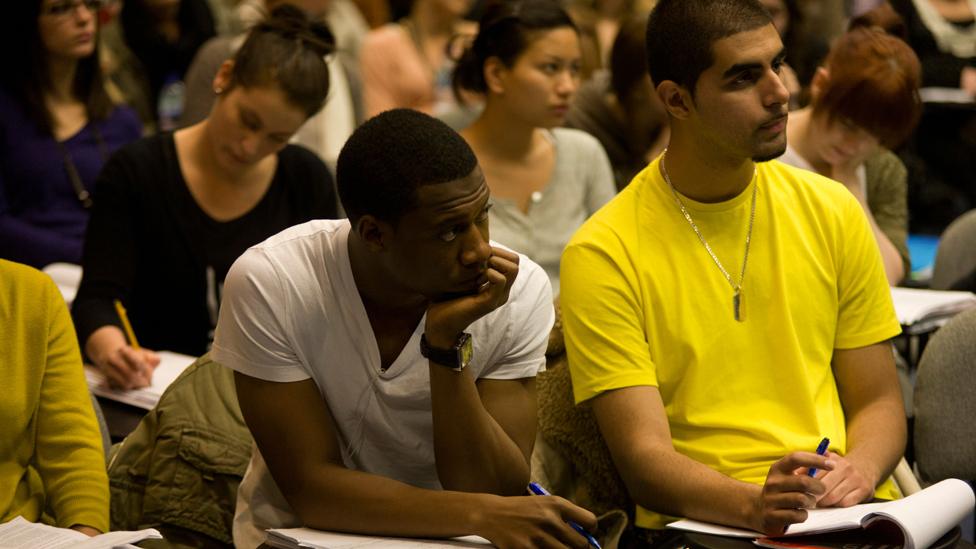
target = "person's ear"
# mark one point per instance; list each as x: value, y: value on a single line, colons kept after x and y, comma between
x: 376, y: 233
x: 495, y: 72
x: 222, y: 80
x: 676, y: 99
x: 820, y: 80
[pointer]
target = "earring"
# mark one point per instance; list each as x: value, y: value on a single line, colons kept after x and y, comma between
x: 218, y: 90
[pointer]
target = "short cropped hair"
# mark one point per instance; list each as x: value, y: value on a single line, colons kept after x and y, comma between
x: 873, y: 80
x: 392, y: 154
x: 680, y: 35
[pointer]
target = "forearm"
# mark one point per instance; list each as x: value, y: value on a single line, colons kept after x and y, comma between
x: 336, y: 498
x: 876, y: 437
x: 472, y: 451
x: 668, y: 482
x: 890, y: 256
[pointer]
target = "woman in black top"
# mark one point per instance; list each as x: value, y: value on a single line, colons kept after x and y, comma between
x: 175, y: 210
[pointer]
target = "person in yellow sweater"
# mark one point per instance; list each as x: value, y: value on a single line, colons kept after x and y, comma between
x: 52, y: 464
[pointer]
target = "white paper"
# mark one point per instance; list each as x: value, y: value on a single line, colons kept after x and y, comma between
x: 924, y: 310
x: 319, y: 539
x: 20, y: 533
x: 945, y: 95
x: 924, y: 516
x: 171, y: 365
x: 927, y: 515
x: 67, y: 277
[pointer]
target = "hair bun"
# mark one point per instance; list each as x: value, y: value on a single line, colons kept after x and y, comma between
x: 291, y: 22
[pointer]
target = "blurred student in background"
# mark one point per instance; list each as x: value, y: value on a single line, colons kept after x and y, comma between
x: 175, y: 210
x: 864, y: 103
x: 407, y: 63
x: 620, y: 108
x: 545, y: 180
x: 57, y: 128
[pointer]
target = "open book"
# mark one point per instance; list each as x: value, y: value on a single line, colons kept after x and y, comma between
x: 171, y: 365
x: 922, y: 311
x: 294, y: 538
x: 921, y: 518
x: 23, y: 534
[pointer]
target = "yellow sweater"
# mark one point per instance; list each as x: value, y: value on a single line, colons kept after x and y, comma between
x: 52, y: 464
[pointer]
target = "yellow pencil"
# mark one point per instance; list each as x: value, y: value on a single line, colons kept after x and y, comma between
x: 126, y: 325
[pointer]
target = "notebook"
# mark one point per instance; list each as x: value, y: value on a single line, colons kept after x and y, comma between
x: 919, y: 519
x: 171, y: 365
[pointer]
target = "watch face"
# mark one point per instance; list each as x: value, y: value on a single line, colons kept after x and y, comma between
x: 466, y: 352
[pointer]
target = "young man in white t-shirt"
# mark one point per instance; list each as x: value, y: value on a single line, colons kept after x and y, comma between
x: 385, y: 364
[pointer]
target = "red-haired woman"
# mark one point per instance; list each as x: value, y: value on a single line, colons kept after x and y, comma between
x: 864, y: 102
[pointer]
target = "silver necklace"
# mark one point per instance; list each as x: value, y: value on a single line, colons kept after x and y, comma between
x: 737, y: 308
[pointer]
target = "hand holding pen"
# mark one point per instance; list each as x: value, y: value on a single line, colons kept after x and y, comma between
x: 789, y: 491
x: 538, y: 490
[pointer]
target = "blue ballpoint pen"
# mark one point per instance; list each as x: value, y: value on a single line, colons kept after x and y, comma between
x: 821, y: 450
x: 538, y: 490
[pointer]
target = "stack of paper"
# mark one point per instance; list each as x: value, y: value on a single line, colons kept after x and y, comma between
x: 171, y: 365
x: 294, y: 538
x: 23, y: 534
x: 920, y: 311
x: 921, y: 518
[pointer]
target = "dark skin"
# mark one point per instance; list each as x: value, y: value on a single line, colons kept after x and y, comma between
x: 436, y: 259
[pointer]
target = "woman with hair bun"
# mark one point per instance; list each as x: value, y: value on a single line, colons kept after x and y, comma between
x: 865, y: 102
x: 173, y: 211
x: 545, y: 180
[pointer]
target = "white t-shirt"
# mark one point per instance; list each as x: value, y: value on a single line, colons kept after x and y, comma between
x: 292, y: 311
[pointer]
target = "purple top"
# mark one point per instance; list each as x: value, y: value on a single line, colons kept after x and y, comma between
x: 41, y: 219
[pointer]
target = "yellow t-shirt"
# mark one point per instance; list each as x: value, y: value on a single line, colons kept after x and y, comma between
x: 644, y: 304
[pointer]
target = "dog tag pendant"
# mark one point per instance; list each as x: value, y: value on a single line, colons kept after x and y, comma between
x: 737, y: 305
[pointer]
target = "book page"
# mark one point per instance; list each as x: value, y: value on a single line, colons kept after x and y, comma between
x: 818, y: 520
x: 834, y: 518
x: 20, y: 533
x: 171, y: 365
x: 307, y: 537
x: 925, y: 516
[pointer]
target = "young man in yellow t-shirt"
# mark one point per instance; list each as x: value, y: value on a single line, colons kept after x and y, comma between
x: 725, y: 312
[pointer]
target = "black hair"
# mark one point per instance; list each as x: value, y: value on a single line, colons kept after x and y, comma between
x: 392, y: 154
x: 287, y: 50
x: 25, y: 75
x: 504, y: 31
x: 628, y: 58
x: 680, y: 35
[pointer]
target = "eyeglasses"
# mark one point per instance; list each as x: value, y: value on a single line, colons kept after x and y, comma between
x: 63, y: 8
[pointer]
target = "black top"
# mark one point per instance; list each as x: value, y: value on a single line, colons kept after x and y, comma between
x: 150, y: 244
x: 939, y: 68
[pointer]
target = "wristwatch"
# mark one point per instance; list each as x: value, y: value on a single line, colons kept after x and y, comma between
x: 457, y: 357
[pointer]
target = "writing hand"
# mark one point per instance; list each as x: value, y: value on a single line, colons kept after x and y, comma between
x: 789, y: 492
x: 534, y: 522
x: 845, y: 485
x: 123, y: 366
x: 446, y: 319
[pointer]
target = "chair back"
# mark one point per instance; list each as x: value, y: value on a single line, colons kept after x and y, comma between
x: 955, y: 257
x: 945, y: 403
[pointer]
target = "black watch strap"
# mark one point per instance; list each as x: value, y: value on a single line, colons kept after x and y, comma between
x: 456, y: 357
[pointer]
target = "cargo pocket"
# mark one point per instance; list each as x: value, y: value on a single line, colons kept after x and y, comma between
x: 195, y: 486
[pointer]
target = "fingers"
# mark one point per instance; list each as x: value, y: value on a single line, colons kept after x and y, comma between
x: 577, y: 514
x: 796, y: 460
x: 776, y: 522
x: 845, y: 485
x: 127, y: 368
